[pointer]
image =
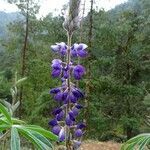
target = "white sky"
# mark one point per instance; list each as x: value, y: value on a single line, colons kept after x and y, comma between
x: 56, y: 5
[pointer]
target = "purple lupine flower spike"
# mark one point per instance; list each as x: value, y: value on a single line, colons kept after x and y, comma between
x: 68, y: 94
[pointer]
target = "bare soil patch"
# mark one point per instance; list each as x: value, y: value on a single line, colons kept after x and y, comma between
x: 94, y: 145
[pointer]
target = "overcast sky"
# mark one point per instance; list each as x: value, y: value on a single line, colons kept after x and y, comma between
x: 56, y: 5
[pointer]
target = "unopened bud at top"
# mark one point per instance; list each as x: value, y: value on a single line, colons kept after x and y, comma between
x: 72, y: 20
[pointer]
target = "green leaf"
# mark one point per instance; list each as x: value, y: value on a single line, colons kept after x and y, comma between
x: 7, y: 104
x: 21, y: 80
x: 17, y: 121
x: 3, y: 120
x: 4, y: 127
x: 139, y: 141
x: 5, y: 113
x: 14, y: 107
x: 15, y: 139
x: 42, y: 131
x: 144, y: 142
x: 42, y: 138
x: 34, y: 137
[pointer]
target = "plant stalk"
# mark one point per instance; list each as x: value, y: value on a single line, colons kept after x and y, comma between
x: 68, y: 60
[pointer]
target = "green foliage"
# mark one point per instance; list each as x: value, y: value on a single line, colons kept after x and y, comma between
x: 139, y: 142
x: 35, y: 134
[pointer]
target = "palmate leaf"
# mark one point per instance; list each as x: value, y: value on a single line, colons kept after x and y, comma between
x: 35, y: 137
x: 42, y: 139
x: 36, y: 134
x: 139, y: 141
x: 15, y: 139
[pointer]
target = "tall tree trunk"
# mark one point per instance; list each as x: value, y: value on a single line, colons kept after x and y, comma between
x: 81, y: 24
x: 88, y: 82
x: 24, y: 53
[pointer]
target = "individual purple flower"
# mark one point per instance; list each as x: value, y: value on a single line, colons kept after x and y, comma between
x: 78, y: 133
x: 74, y: 50
x: 56, y: 129
x: 78, y: 106
x: 60, y: 48
x: 59, y: 97
x: 56, y: 67
x: 71, y: 115
x: 60, y: 116
x: 56, y: 64
x: 76, y: 144
x: 66, y: 72
x: 75, y: 111
x: 54, y: 90
x: 81, y: 125
x: 78, y: 72
x: 77, y: 93
x: 56, y: 111
x: 71, y: 98
x: 65, y: 95
x: 79, y: 50
x: 53, y: 122
x: 56, y: 73
x: 68, y: 121
x: 61, y: 135
x: 55, y: 48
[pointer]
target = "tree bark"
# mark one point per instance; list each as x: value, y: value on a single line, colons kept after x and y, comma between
x: 24, y: 53
x: 88, y: 82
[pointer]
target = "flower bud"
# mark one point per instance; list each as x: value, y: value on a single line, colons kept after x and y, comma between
x: 72, y: 21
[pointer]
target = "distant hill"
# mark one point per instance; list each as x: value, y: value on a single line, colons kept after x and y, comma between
x: 5, y: 19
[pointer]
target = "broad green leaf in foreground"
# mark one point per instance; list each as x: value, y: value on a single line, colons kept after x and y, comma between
x: 15, y: 139
x: 36, y: 138
x: 140, y: 142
